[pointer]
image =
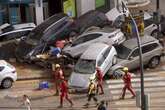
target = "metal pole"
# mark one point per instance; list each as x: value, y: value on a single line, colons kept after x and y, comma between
x: 141, y: 65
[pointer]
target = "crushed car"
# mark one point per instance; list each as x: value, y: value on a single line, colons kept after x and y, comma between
x: 97, y: 55
x: 55, y: 28
x: 106, y: 35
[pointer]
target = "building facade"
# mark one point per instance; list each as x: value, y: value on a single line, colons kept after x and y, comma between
x: 22, y: 11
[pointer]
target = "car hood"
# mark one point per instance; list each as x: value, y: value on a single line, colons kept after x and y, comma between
x: 75, y: 51
x: 79, y: 80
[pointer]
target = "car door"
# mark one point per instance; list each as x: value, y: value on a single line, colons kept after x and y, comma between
x: 149, y: 26
x: 148, y: 52
x: 133, y: 59
x: 100, y: 63
x: 108, y: 59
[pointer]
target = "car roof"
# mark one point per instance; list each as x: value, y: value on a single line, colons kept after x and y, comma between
x: 24, y: 26
x: 19, y: 30
x: 93, y: 51
x: 2, y: 62
x: 105, y: 30
x: 132, y: 43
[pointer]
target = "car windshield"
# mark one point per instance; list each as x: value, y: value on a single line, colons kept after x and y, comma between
x: 122, y: 51
x: 84, y: 66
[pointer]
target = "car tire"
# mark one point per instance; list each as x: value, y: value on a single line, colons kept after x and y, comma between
x: 154, y: 62
x: 7, y: 83
x: 114, y: 60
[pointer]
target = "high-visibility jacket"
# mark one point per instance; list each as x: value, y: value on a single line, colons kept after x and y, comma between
x: 92, y: 88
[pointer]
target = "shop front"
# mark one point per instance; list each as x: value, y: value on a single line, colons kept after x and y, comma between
x: 15, y: 11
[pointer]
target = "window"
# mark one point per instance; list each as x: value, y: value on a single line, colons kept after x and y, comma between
x: 148, y: 22
x: 135, y: 53
x: 106, y: 53
x: 150, y: 47
x: 1, y: 68
x: 101, y: 60
x: 86, y: 38
x: 14, y: 35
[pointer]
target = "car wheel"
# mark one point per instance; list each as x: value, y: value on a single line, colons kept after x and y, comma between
x: 114, y: 60
x: 154, y: 62
x: 7, y: 83
x: 155, y: 34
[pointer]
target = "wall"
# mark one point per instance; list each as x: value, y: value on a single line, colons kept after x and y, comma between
x: 84, y: 6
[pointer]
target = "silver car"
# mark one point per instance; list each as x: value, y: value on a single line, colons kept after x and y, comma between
x: 106, y: 35
x: 128, y: 53
x: 97, y: 55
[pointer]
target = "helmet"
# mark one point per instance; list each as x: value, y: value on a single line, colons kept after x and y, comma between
x: 57, y: 66
x: 91, y: 80
x: 125, y: 69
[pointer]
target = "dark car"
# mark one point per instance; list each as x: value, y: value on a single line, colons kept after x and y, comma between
x: 52, y: 29
x: 56, y: 28
x: 91, y: 18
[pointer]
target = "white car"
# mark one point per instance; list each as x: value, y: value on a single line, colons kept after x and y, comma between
x: 97, y: 55
x: 117, y: 17
x: 8, y: 74
x: 106, y: 35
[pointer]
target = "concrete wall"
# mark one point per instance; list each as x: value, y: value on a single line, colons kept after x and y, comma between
x: 84, y: 6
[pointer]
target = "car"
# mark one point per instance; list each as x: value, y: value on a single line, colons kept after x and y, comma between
x: 128, y: 53
x: 57, y: 27
x: 106, y: 35
x: 44, y: 35
x: 10, y: 40
x: 91, y: 18
x: 97, y: 55
x: 117, y: 17
x: 8, y: 74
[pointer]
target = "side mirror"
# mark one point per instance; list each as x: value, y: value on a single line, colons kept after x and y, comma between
x: 23, y: 38
x: 130, y: 58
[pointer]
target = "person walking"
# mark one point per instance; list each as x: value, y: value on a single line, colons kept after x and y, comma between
x: 127, y: 83
x: 58, y: 76
x: 99, y: 79
x: 91, y: 92
x: 64, y: 93
x: 26, y: 102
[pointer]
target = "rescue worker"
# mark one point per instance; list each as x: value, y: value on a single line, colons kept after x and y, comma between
x: 58, y: 75
x: 141, y: 27
x: 64, y: 93
x: 99, y: 79
x: 127, y: 83
x: 91, y: 92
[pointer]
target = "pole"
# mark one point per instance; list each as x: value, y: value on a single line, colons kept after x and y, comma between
x: 143, y: 104
x: 158, y: 16
x: 141, y: 65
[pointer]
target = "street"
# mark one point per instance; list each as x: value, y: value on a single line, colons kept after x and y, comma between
x: 44, y: 100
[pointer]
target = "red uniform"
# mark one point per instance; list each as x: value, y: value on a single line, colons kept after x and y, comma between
x: 127, y: 84
x: 99, y: 76
x: 59, y: 76
x: 64, y: 92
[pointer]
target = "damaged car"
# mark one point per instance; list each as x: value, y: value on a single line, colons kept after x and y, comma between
x: 97, y: 55
x: 128, y: 53
x: 55, y: 28
x: 106, y: 35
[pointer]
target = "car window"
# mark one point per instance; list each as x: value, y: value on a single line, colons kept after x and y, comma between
x: 1, y: 68
x: 118, y: 21
x: 135, y: 53
x: 150, y: 47
x: 85, y: 38
x: 14, y: 35
x: 101, y: 60
x: 85, y: 66
x: 106, y: 53
x: 148, y: 22
x: 122, y: 51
